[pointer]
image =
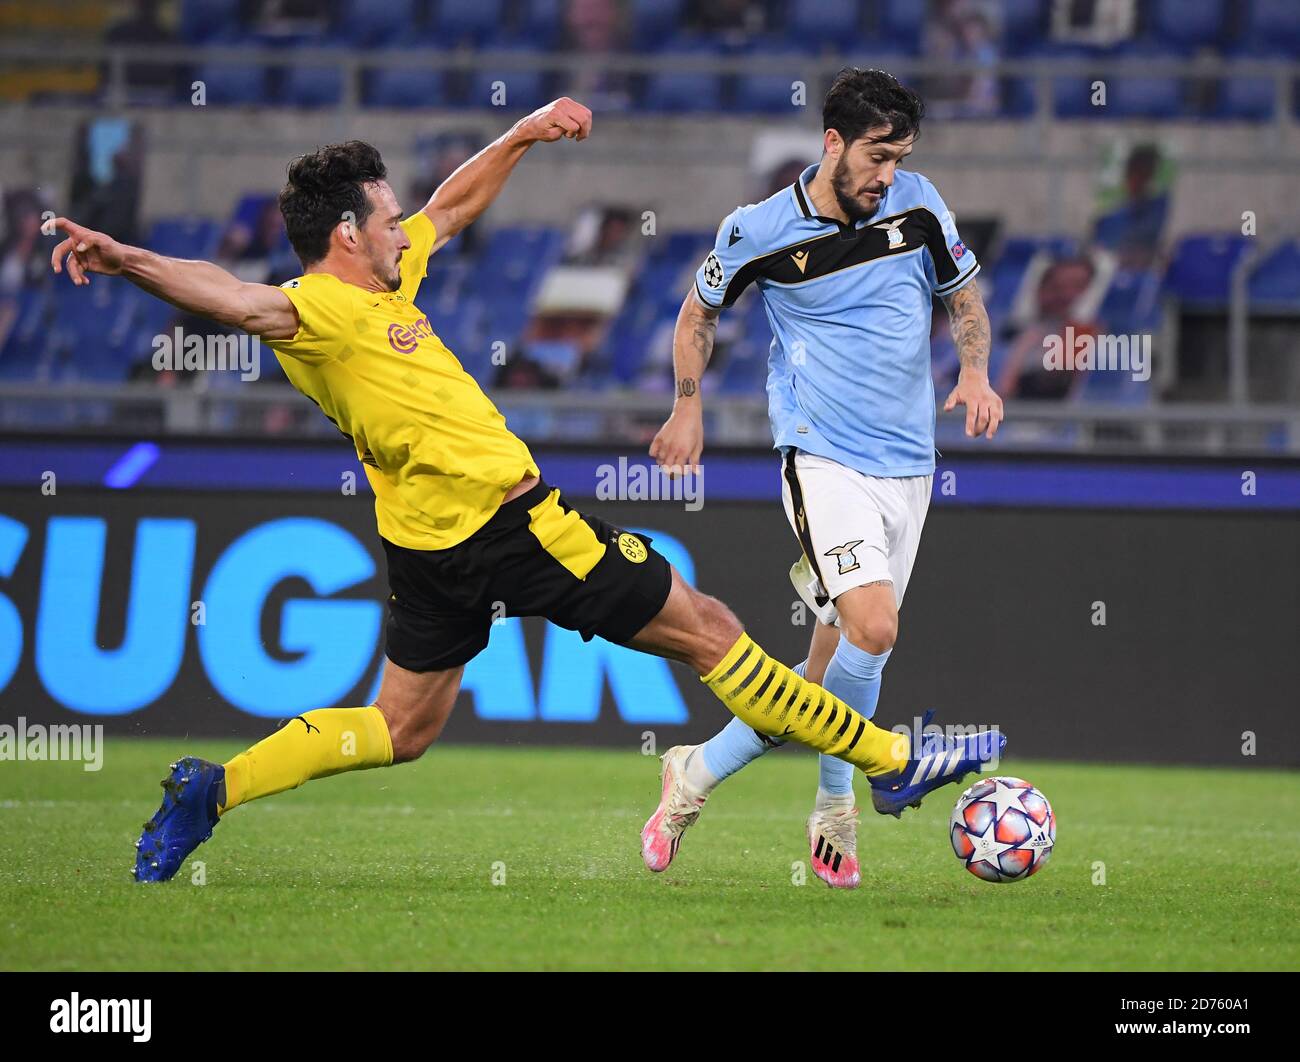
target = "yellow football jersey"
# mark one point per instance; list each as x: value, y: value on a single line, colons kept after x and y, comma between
x: 436, y: 450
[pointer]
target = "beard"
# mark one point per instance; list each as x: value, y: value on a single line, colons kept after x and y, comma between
x: 846, y: 194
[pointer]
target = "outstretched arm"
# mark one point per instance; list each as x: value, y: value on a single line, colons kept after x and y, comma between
x: 970, y: 331
x: 469, y: 191
x: 199, y: 287
x: 680, y: 441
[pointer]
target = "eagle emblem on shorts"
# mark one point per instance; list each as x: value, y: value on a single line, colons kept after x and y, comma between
x: 713, y: 270
x: 844, y: 556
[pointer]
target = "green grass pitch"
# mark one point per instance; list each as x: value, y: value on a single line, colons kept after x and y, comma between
x: 393, y: 869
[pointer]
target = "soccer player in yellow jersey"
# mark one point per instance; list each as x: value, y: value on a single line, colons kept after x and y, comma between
x: 465, y: 519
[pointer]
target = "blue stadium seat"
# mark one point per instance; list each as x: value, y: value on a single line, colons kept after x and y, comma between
x: 456, y: 22
x: 1022, y: 25
x: 1250, y: 99
x: 1132, y: 302
x: 654, y: 20
x: 92, y: 333
x: 1202, y: 267
x: 371, y: 23
x: 312, y: 86
x: 1007, y: 272
x: 1275, y: 281
x: 901, y: 23
x: 769, y: 89
x: 205, y: 21
x: 509, y: 271
x: 680, y: 93
x: 1142, y: 97
x: 1273, y: 22
x: 540, y: 21
x: 233, y: 84
x: 1195, y: 23
x: 834, y: 24
x: 28, y: 336
x: 183, y: 237
x: 403, y: 87
x: 525, y: 90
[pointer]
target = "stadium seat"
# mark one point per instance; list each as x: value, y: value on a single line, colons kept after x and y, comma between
x: 1022, y: 25
x: 1273, y: 22
x: 1202, y: 267
x: 541, y: 21
x: 655, y: 20
x: 1275, y: 281
x: 770, y: 89
x: 26, y: 341
x: 403, y: 87
x: 373, y: 23
x: 1196, y: 23
x: 1132, y: 302
x: 233, y: 84
x: 525, y: 89
x: 901, y: 23
x: 458, y: 22
x: 312, y: 86
x: 1131, y: 96
x: 183, y: 237
x: 824, y: 24
x: 682, y: 92
x: 206, y: 21
x: 1251, y: 99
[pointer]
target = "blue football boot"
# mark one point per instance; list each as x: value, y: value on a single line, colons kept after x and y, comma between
x: 938, y: 762
x: 183, y: 822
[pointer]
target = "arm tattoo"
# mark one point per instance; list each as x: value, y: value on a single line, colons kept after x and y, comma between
x: 970, y: 327
x: 703, y: 331
x: 686, y: 388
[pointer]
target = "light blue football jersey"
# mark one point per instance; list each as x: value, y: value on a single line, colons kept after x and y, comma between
x: 849, y: 305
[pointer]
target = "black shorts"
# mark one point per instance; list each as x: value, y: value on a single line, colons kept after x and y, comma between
x: 535, y: 557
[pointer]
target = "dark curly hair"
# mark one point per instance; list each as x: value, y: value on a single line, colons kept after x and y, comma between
x: 860, y: 100
x: 321, y: 188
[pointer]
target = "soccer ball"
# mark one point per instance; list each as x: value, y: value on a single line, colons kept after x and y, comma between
x: 1002, y: 829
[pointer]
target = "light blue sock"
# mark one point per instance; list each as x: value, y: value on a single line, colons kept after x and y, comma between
x: 737, y: 744
x: 853, y: 675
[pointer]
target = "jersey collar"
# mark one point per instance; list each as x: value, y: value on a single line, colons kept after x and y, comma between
x: 803, y: 201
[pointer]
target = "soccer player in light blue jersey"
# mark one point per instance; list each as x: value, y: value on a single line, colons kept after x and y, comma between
x: 846, y: 260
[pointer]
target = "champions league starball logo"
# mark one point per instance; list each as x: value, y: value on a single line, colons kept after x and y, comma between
x: 713, y: 270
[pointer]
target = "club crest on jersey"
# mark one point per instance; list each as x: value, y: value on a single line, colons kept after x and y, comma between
x: 713, y: 270
x: 844, y: 556
x: 891, y: 230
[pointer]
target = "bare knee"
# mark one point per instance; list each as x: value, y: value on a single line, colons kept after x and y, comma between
x: 874, y: 633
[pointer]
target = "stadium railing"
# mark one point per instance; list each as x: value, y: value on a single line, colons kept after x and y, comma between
x: 629, y: 419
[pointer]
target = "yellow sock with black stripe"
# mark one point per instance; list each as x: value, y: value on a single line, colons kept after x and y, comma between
x: 315, y: 745
x: 771, y: 698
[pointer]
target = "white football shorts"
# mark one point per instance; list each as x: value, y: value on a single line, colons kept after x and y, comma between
x: 854, y: 529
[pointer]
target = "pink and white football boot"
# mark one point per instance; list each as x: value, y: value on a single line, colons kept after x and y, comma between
x: 833, y: 840
x: 678, y: 808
